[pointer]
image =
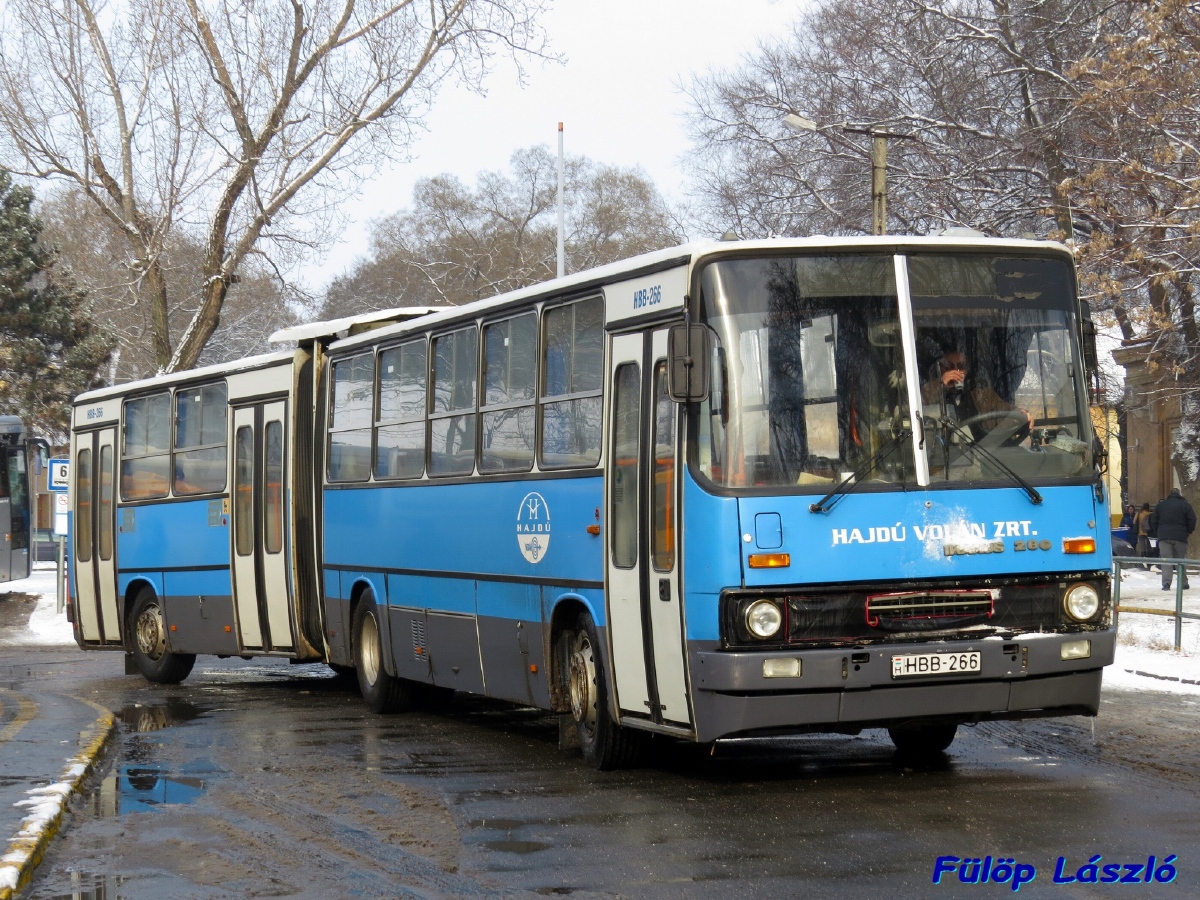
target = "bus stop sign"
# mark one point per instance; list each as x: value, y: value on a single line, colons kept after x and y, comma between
x: 60, y: 474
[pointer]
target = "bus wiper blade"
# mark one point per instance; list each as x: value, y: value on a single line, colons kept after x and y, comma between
x: 1034, y: 496
x: 848, y: 484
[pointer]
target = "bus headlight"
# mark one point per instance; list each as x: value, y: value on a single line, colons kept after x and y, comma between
x: 1081, y: 602
x: 763, y: 619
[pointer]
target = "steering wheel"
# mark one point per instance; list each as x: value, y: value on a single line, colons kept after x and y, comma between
x: 1012, y: 427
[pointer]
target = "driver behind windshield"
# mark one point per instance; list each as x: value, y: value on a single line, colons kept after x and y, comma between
x: 967, y: 401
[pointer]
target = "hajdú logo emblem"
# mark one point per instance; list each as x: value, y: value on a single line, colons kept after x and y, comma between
x: 533, y: 527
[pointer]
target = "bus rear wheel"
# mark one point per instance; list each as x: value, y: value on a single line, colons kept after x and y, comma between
x: 605, y: 744
x: 156, y: 663
x: 383, y: 692
x: 923, y: 740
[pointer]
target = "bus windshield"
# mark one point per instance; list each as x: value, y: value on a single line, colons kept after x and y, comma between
x: 998, y: 375
x: 808, y: 372
x: 809, y: 382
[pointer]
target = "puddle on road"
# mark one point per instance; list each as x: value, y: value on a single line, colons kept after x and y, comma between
x: 147, y: 717
x: 499, y: 824
x: 261, y: 671
x: 141, y: 789
x: 508, y: 844
x: 516, y: 846
x: 85, y: 886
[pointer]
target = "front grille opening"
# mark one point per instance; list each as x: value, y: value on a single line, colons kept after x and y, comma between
x: 829, y: 615
x: 887, y: 611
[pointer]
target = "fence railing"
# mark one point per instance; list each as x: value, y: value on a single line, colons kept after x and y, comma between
x: 1129, y: 562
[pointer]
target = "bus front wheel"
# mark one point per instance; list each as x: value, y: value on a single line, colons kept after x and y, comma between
x: 605, y: 744
x: 154, y: 660
x: 923, y: 740
x: 383, y: 692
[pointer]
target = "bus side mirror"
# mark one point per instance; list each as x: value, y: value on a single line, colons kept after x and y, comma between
x: 1091, y: 358
x: 689, y: 349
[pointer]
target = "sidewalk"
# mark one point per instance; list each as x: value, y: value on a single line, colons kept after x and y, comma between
x: 1146, y: 657
x: 48, y: 742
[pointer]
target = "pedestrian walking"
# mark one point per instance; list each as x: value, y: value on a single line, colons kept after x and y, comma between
x: 1141, y: 530
x: 1128, y: 517
x: 1173, y: 520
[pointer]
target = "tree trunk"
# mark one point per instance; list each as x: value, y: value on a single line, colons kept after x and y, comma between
x: 156, y: 285
x: 202, y: 326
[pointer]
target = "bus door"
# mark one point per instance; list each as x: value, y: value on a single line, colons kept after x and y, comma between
x: 261, y: 587
x: 94, y: 483
x: 643, y: 596
x: 15, y: 516
x: 6, y: 521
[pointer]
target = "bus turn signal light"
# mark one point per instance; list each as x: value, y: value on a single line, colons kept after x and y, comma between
x: 770, y: 560
x: 1079, y: 545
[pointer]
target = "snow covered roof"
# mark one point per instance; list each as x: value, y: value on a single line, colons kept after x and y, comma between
x: 350, y: 325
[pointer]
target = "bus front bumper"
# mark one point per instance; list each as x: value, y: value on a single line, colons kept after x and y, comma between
x: 845, y: 689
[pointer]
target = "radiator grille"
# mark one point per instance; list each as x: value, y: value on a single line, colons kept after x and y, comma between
x: 861, y: 613
x: 884, y: 610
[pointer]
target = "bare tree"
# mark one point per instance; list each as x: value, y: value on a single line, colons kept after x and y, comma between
x: 1139, y: 183
x: 980, y: 86
x: 236, y: 123
x: 457, y: 244
x: 255, y: 305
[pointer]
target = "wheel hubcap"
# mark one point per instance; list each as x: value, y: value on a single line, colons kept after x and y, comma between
x: 151, y: 636
x: 583, y: 684
x: 368, y: 643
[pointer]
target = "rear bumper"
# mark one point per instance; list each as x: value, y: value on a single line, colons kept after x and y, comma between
x: 842, y: 689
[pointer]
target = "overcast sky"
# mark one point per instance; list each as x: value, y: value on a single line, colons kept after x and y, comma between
x: 617, y: 95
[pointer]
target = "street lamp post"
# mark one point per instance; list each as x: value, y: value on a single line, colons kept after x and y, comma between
x: 879, y: 182
x: 879, y: 138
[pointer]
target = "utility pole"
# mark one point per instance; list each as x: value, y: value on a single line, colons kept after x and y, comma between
x: 879, y: 138
x: 562, y: 249
x: 879, y: 182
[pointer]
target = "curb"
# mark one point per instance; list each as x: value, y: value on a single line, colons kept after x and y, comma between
x: 1130, y: 671
x: 48, y: 803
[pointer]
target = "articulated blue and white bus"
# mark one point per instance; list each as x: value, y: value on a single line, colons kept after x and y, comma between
x: 729, y: 489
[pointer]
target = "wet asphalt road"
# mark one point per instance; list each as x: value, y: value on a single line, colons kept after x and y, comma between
x: 258, y: 779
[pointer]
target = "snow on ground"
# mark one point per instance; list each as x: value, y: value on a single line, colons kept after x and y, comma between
x: 1146, y: 657
x: 47, y: 627
x: 1146, y: 643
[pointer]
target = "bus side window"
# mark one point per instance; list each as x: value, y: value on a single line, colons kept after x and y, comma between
x: 146, y: 448
x: 200, y: 426
x: 400, y: 431
x: 350, y: 418
x: 452, y: 419
x: 509, y: 363
x: 572, y: 381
